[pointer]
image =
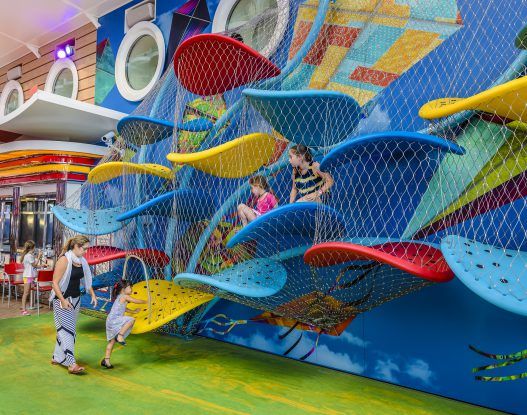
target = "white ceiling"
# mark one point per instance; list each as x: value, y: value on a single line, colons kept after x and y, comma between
x: 47, y: 115
x: 27, y: 23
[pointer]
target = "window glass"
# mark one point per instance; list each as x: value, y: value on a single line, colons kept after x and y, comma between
x: 12, y: 102
x: 7, y: 226
x: 63, y: 85
x: 261, y: 33
x: 141, y: 63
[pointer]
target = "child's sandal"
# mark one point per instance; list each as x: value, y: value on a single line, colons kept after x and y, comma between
x: 120, y: 342
x: 105, y: 364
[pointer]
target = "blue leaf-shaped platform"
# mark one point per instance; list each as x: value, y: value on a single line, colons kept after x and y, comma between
x: 291, y: 113
x: 260, y: 277
x: 296, y: 219
x: 89, y: 222
x: 190, y: 205
x: 140, y: 130
x: 497, y: 275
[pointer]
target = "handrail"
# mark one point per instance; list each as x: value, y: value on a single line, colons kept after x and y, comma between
x: 145, y: 269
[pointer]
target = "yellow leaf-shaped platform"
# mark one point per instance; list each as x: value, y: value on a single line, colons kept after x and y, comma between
x: 168, y: 302
x: 108, y: 171
x: 237, y: 158
x: 508, y: 100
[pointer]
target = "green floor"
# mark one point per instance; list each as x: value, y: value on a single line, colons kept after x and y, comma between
x: 157, y: 373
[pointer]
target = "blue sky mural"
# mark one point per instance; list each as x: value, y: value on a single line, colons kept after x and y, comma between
x: 419, y: 341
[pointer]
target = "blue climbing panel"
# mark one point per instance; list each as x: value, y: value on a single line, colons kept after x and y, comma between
x: 196, y: 125
x: 89, y: 222
x: 397, y: 142
x: 385, y: 172
x: 141, y: 130
x: 107, y: 279
x: 190, y: 205
x: 260, y: 277
x: 497, y: 275
x: 292, y: 114
x: 296, y: 219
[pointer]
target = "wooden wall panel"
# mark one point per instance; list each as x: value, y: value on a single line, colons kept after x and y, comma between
x: 35, y: 71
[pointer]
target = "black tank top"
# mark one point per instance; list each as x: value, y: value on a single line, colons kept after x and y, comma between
x: 74, y: 286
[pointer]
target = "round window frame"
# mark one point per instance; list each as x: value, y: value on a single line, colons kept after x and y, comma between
x: 9, y: 87
x: 54, y: 72
x: 224, y: 11
x: 132, y: 36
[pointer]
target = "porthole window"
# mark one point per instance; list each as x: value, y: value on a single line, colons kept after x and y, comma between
x: 63, y: 79
x: 12, y: 97
x: 140, y: 60
x: 265, y: 34
x: 64, y: 83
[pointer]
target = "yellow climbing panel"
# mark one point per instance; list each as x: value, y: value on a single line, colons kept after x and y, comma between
x: 108, y: 171
x: 508, y: 100
x: 237, y: 158
x: 165, y: 302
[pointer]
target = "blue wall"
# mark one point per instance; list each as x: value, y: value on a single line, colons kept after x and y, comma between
x: 420, y: 340
x: 112, y: 28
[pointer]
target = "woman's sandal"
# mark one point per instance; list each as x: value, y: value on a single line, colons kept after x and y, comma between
x: 106, y: 365
x: 75, y: 369
x: 117, y: 340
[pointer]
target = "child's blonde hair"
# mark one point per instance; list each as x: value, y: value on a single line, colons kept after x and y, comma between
x: 28, y: 246
x: 78, y: 240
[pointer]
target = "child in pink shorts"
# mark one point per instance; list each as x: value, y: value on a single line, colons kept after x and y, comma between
x: 29, y: 261
x: 262, y: 200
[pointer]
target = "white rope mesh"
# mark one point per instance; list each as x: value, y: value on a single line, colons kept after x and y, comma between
x: 395, y: 194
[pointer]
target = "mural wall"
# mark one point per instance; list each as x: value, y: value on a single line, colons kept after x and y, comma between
x: 177, y: 21
x: 391, y: 57
x: 420, y: 340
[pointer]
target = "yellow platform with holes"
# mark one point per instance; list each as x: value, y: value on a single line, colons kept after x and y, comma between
x: 508, y: 100
x: 236, y: 158
x: 108, y: 171
x: 167, y: 302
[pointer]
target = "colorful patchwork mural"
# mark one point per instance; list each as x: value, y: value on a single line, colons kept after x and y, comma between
x: 366, y: 45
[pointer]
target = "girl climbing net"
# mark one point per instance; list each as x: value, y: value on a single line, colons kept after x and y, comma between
x: 119, y: 326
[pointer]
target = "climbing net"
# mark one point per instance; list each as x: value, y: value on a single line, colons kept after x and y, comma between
x: 385, y: 193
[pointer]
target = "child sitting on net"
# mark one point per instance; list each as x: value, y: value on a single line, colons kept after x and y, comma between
x: 262, y: 200
x: 309, y: 183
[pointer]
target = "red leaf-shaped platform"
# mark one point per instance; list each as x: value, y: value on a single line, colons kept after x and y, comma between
x: 418, y: 259
x: 210, y: 64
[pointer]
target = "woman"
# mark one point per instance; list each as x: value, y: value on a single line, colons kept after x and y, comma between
x: 70, y: 269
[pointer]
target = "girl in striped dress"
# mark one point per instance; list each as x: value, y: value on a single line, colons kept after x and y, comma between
x: 309, y: 183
